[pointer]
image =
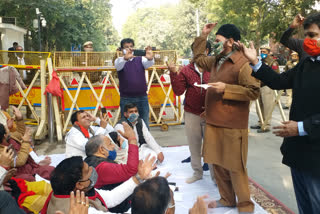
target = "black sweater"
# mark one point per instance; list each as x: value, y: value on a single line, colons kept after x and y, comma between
x: 301, y: 152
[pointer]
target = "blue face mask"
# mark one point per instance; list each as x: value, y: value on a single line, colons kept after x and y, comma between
x: 133, y: 117
x: 124, y: 144
x: 112, y: 154
x: 263, y: 56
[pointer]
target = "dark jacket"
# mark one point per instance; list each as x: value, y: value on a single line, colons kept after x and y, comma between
x: 300, y: 152
x: 293, y: 44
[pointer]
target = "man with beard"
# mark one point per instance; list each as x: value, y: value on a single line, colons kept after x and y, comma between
x: 226, y: 111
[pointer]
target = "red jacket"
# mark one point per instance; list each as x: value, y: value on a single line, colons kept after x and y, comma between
x: 184, y: 81
x: 112, y: 173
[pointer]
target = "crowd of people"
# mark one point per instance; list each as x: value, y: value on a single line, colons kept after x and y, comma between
x: 113, y: 169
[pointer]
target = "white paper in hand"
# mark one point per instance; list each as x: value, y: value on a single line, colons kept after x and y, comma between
x: 205, y: 86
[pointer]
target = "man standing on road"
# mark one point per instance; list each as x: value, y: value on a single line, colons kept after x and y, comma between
x: 301, y: 144
x: 132, y: 80
x: 227, y: 111
x: 266, y: 98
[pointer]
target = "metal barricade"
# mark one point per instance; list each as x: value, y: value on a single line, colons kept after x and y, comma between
x: 84, y: 95
x: 32, y: 68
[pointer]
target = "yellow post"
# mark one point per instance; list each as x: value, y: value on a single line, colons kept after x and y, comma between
x: 42, y: 129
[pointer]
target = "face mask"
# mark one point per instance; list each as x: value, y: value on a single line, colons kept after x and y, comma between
x: 294, y: 60
x: 263, y: 56
x: 93, y: 179
x: 124, y: 144
x: 217, y: 48
x: 133, y: 117
x: 112, y: 154
x: 310, y: 47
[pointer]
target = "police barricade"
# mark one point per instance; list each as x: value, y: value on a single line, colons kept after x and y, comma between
x: 32, y: 68
x: 89, y: 82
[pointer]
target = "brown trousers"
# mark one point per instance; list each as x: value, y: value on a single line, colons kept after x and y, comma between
x: 232, y: 184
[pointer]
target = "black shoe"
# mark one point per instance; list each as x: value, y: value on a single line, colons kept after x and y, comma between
x: 255, y: 127
x: 188, y: 160
x: 263, y: 131
x: 205, y: 167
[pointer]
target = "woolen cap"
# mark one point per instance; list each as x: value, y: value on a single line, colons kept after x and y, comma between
x: 229, y: 31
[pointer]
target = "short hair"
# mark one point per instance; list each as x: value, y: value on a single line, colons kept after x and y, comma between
x: 65, y: 176
x: 312, y: 19
x: 129, y: 106
x: 93, y: 145
x: 2, y: 132
x: 126, y: 40
x: 208, y: 46
x: 15, y: 43
x: 74, y: 116
x: 152, y: 196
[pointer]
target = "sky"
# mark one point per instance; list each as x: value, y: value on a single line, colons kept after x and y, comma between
x: 121, y: 9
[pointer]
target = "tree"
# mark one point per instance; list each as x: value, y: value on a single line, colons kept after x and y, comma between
x: 68, y: 22
x: 167, y: 27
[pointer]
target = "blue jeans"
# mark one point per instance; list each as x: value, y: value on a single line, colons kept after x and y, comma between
x: 143, y: 106
x: 307, y: 190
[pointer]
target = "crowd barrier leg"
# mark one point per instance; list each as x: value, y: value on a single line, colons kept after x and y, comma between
x: 74, y: 102
x: 55, y: 105
x: 166, y: 100
x: 42, y: 128
x: 276, y: 102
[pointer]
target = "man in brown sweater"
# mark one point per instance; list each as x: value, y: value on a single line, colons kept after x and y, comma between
x: 226, y: 112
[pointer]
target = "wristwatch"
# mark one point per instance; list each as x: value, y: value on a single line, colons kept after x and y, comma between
x: 139, y: 178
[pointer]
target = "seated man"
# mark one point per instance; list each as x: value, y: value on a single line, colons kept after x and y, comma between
x: 121, y: 146
x: 74, y: 174
x: 81, y: 131
x: 101, y: 155
x: 153, y: 196
x: 147, y: 143
x: 21, y: 142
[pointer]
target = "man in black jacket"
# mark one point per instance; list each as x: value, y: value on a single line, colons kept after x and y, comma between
x: 301, y: 144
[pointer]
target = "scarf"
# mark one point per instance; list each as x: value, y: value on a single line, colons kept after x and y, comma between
x: 83, y: 130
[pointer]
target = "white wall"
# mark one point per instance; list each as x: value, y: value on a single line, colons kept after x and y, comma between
x: 10, y: 36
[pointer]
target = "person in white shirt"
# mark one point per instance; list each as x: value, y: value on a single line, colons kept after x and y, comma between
x: 81, y: 131
x: 146, y: 142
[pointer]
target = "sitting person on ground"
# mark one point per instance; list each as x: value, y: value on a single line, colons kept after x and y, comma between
x: 74, y: 174
x: 7, y: 203
x: 147, y: 144
x: 153, y: 196
x: 81, y: 131
x: 29, y: 196
x: 101, y: 154
x: 121, y: 146
x: 21, y: 142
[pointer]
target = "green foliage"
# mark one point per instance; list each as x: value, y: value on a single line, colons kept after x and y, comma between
x: 68, y: 22
x: 167, y: 28
x: 258, y: 20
